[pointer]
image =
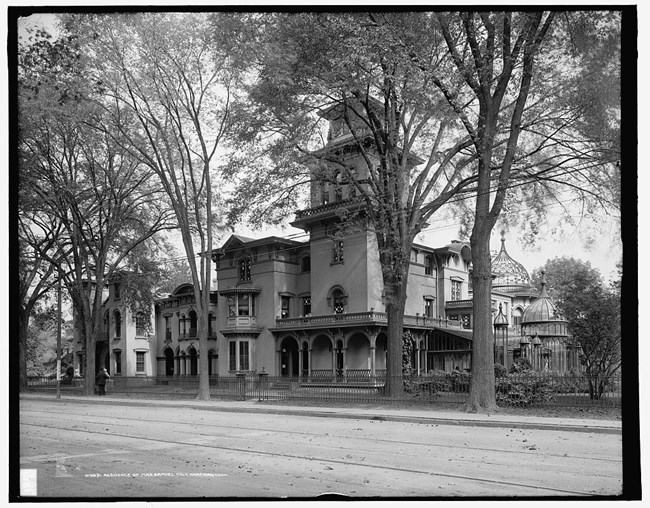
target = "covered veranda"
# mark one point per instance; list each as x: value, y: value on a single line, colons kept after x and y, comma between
x: 358, y: 355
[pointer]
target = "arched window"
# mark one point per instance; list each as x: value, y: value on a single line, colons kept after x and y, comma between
x: 193, y: 362
x: 118, y: 324
x: 338, y: 301
x: 193, y: 323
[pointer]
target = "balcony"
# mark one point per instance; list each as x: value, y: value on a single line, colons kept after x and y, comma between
x: 362, y: 318
x: 242, y: 322
x: 308, y: 212
x: 459, y: 304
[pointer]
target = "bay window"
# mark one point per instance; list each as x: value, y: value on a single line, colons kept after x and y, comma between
x: 239, y: 355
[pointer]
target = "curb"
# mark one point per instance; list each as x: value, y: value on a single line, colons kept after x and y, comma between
x: 425, y: 420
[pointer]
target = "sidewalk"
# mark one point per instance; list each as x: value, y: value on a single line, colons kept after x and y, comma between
x: 434, y: 416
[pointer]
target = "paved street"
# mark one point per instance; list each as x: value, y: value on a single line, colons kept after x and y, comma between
x: 79, y: 449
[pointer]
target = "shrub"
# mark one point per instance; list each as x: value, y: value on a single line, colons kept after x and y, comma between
x: 523, y: 390
x: 459, y: 380
x: 520, y: 365
x: 431, y: 384
x: 499, y: 371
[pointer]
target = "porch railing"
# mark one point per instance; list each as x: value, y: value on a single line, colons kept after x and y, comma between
x: 363, y: 317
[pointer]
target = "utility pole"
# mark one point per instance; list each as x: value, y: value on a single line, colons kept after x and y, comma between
x: 58, y: 342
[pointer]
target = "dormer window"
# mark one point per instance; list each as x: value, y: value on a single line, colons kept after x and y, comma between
x: 245, y: 270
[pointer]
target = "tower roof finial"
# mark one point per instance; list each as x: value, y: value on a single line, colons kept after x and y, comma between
x: 543, y: 283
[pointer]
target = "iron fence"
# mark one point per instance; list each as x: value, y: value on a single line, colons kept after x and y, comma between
x: 523, y: 389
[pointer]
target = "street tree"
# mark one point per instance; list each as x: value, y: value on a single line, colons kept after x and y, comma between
x: 170, y: 74
x: 436, y: 104
x: 593, y: 311
x: 36, y: 276
x: 37, y: 229
x: 102, y: 198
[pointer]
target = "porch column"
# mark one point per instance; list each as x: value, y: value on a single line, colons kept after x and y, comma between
x: 299, y: 353
x: 372, y: 360
x: 417, y: 357
x: 309, y: 360
x: 333, y: 362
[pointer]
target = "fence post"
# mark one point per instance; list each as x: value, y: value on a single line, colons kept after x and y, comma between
x: 241, y: 386
x: 263, y: 385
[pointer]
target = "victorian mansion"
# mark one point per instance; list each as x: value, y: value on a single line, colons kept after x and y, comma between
x: 315, y: 308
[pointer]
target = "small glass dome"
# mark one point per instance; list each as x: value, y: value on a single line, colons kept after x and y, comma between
x: 542, y: 318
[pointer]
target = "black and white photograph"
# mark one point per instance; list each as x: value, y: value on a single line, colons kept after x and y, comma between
x: 323, y: 253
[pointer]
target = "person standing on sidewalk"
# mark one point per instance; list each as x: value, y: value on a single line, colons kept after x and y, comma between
x: 102, y: 376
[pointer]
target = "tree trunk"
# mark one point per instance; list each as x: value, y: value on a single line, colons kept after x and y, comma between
x: 23, y: 326
x: 204, y: 379
x: 89, y: 359
x: 482, y: 397
x: 395, y: 314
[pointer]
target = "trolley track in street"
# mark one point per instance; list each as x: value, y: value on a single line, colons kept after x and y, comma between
x: 539, y: 490
x: 297, y: 432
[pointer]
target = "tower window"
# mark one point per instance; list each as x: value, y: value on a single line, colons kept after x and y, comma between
x: 455, y: 289
x: 337, y: 251
x: 245, y: 269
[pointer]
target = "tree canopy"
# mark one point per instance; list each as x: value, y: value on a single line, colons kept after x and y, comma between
x: 444, y: 107
x: 592, y: 309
